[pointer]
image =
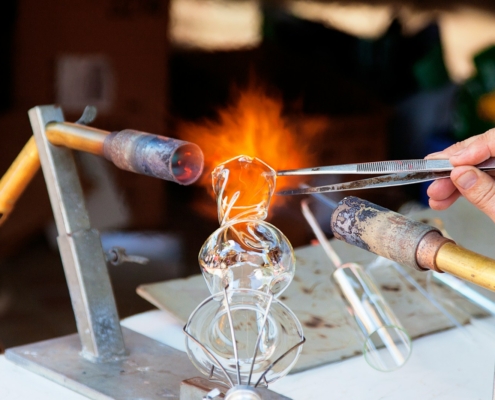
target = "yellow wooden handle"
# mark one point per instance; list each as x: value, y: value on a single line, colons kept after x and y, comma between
x: 467, y: 265
x: 18, y: 177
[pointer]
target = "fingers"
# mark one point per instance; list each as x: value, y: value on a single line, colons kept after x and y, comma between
x: 478, y: 149
x: 476, y: 186
x: 451, y: 150
x: 471, y: 151
x: 448, y: 152
x: 441, y: 189
x: 443, y: 193
x: 444, y: 204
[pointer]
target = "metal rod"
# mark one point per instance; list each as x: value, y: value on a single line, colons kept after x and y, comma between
x: 205, y: 349
x: 76, y: 137
x: 201, y: 345
x: 232, y: 332
x: 277, y: 360
x: 259, y: 338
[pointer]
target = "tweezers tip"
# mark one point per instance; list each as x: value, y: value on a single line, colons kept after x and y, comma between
x: 286, y: 192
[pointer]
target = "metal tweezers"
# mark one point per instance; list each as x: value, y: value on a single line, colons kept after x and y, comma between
x: 400, y: 172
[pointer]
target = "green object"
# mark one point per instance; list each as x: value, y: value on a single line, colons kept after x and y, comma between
x: 485, y: 67
x: 430, y: 71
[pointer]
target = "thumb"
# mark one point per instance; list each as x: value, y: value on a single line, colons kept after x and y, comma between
x: 477, y: 187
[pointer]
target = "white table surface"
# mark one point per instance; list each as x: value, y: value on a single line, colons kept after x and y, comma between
x: 451, y: 365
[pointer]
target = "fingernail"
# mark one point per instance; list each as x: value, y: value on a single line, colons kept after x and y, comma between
x: 467, y: 180
x: 433, y: 154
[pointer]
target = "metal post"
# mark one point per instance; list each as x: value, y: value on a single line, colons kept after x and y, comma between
x: 80, y: 247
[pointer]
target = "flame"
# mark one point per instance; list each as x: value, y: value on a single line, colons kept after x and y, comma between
x: 252, y: 125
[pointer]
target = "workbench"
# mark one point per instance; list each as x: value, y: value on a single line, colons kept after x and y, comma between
x: 454, y: 364
x: 450, y: 365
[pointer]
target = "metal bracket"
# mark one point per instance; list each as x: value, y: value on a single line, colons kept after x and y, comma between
x: 80, y: 247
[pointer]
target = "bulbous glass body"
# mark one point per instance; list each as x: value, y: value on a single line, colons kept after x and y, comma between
x: 248, y: 254
x: 209, y: 325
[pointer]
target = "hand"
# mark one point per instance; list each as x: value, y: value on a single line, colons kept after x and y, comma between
x: 476, y: 186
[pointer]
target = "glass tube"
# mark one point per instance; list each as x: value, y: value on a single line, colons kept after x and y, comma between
x: 387, y: 346
x: 456, y: 284
x: 462, y: 288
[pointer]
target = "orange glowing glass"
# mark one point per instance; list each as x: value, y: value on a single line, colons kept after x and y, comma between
x: 246, y: 252
x: 243, y: 187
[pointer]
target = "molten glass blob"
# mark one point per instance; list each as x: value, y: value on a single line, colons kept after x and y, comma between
x: 246, y: 252
x: 243, y: 187
x: 237, y: 335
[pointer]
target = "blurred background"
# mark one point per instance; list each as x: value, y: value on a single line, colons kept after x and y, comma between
x: 345, y: 82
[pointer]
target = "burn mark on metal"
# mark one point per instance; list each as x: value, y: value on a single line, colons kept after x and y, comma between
x: 344, y: 220
x: 147, y: 154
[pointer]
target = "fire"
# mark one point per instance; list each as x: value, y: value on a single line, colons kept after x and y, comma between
x: 252, y: 125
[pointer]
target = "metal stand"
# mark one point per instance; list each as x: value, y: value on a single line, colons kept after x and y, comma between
x: 80, y: 247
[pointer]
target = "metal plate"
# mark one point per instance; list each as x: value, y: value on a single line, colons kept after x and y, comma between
x: 151, y: 371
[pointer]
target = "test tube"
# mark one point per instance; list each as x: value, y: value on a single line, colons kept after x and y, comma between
x: 386, y: 344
